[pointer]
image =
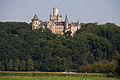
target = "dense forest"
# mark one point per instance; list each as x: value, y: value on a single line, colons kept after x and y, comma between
x: 24, y: 49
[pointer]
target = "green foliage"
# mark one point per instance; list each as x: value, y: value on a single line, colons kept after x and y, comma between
x: 16, y: 65
x: 98, y: 68
x: 22, y: 65
x: 37, y: 65
x: 29, y: 63
x: 104, y: 68
x: 2, y: 66
x: 118, y: 67
x: 9, y: 64
x: 67, y: 34
x: 85, y: 69
x: 51, y: 52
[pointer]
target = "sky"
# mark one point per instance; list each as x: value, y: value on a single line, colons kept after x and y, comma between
x: 101, y: 11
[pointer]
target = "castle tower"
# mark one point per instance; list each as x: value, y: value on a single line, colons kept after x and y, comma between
x: 35, y: 22
x: 66, y: 22
x: 56, y: 17
x: 55, y: 11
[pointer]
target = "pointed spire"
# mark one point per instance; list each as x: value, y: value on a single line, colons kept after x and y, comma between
x: 78, y: 21
x: 35, y: 17
x: 50, y: 15
x: 66, y: 19
x: 60, y: 15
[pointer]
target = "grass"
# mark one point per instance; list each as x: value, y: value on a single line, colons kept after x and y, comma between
x: 52, y: 76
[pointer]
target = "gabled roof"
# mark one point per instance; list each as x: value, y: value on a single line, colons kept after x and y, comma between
x: 43, y: 24
x: 74, y: 24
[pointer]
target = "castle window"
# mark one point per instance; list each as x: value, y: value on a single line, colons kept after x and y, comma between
x: 33, y: 27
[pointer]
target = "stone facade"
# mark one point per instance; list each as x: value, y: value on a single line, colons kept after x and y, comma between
x: 55, y: 24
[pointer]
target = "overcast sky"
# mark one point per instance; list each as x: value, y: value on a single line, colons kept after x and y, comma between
x: 85, y: 11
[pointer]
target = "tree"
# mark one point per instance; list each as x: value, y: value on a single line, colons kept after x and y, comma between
x: 16, y: 65
x: 90, y: 58
x: 2, y: 66
x: 85, y: 68
x: 37, y: 65
x: 91, y: 44
x: 118, y: 67
x: 29, y: 65
x: 67, y: 34
x: 22, y: 65
x: 9, y: 65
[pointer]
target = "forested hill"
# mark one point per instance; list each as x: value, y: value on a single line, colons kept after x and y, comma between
x: 24, y: 49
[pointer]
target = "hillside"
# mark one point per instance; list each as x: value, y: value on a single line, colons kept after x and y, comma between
x: 23, y: 49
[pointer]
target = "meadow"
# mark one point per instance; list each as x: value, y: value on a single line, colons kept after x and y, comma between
x: 53, y: 76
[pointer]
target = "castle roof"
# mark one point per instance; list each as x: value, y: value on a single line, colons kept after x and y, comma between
x: 43, y: 24
x: 35, y: 17
x: 59, y: 23
x: 74, y: 24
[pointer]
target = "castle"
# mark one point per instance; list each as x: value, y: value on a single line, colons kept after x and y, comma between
x: 55, y: 24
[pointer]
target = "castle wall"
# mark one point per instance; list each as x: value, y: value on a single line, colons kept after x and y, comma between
x: 56, y: 18
x: 35, y: 24
x: 59, y: 29
x: 74, y: 29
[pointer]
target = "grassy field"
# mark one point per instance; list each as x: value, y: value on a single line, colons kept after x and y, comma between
x: 52, y: 76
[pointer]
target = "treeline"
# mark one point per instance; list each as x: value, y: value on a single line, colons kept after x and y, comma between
x: 23, y: 49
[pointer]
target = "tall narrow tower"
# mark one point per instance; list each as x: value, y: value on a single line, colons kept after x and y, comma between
x: 55, y: 11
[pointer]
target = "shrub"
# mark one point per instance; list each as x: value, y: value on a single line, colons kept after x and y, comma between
x: 98, y: 68
x: 85, y: 68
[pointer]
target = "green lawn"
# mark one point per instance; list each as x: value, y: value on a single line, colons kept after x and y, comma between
x: 52, y: 76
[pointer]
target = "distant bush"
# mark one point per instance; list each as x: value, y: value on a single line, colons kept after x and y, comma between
x: 98, y: 68
x: 85, y: 68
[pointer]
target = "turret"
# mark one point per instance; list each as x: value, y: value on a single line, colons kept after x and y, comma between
x: 78, y: 21
x: 60, y: 15
x: 57, y: 17
x: 55, y: 11
x: 35, y: 22
x: 66, y: 22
